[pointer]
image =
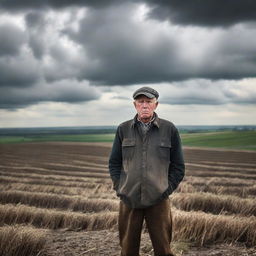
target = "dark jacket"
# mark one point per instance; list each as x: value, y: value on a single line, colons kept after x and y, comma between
x: 146, y: 169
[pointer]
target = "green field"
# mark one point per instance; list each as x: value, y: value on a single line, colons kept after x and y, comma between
x: 227, y: 139
x: 71, y: 138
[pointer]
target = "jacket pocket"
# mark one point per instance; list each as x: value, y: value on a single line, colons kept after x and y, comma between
x: 165, y: 149
x: 128, y: 148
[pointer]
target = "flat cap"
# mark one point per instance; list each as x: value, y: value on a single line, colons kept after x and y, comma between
x: 147, y: 91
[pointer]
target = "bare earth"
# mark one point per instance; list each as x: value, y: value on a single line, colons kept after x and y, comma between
x: 105, y: 242
x: 42, y: 158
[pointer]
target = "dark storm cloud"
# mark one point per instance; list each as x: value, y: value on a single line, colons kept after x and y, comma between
x: 18, y: 72
x: 35, y: 19
x: 37, y: 46
x: 185, y: 12
x: 16, y: 69
x: 17, y: 5
x: 11, y: 39
x: 115, y: 45
x: 123, y: 52
x: 206, y: 92
x: 36, y: 24
x: 69, y: 91
x: 204, y: 12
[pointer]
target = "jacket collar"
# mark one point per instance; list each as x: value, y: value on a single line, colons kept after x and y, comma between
x: 155, y: 122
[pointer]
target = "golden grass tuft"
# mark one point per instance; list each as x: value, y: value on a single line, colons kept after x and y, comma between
x: 227, y: 189
x: 22, y: 241
x: 47, y: 200
x: 202, y: 228
x: 197, y: 227
x: 218, y: 181
x: 52, y: 180
x: 215, y: 204
x: 49, y: 179
x: 93, y: 190
x: 223, y: 174
x: 54, y: 219
x: 244, y: 192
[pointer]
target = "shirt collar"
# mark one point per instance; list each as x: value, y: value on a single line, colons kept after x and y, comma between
x: 155, y: 120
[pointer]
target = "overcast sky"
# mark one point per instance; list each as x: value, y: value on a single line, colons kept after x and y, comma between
x: 69, y: 63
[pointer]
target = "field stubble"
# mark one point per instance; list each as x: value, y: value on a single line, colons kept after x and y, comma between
x: 54, y: 190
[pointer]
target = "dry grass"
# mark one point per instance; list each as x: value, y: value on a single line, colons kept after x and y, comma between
x: 47, y: 200
x: 22, y: 241
x: 54, y: 219
x: 89, y: 190
x: 222, y: 190
x: 221, y: 168
x: 225, y: 163
x: 213, y: 173
x: 218, y: 181
x: 215, y: 204
x: 89, y: 172
x: 243, y: 192
x: 78, y: 166
x: 202, y: 228
x: 53, y: 185
x: 52, y: 180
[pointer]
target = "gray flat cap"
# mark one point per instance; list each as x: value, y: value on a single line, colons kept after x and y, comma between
x: 147, y: 91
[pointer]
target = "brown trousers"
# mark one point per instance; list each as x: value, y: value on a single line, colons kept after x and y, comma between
x: 159, y: 224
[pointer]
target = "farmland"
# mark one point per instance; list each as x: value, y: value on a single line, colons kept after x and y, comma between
x: 244, y: 139
x: 56, y: 198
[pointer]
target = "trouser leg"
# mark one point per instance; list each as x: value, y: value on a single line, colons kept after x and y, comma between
x: 130, y: 225
x: 159, y: 223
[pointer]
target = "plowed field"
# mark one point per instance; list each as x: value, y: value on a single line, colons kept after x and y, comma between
x: 64, y: 191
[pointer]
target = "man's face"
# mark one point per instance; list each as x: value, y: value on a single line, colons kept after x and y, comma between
x: 145, y: 107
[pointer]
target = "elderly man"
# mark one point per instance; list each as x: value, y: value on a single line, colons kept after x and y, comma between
x: 146, y: 165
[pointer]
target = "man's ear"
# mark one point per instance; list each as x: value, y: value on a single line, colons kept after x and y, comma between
x: 156, y: 104
x: 134, y: 103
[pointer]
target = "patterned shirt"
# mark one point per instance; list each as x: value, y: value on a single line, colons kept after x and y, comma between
x: 145, y: 126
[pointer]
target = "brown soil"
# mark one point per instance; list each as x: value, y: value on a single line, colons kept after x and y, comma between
x: 105, y: 243
x: 72, y: 159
